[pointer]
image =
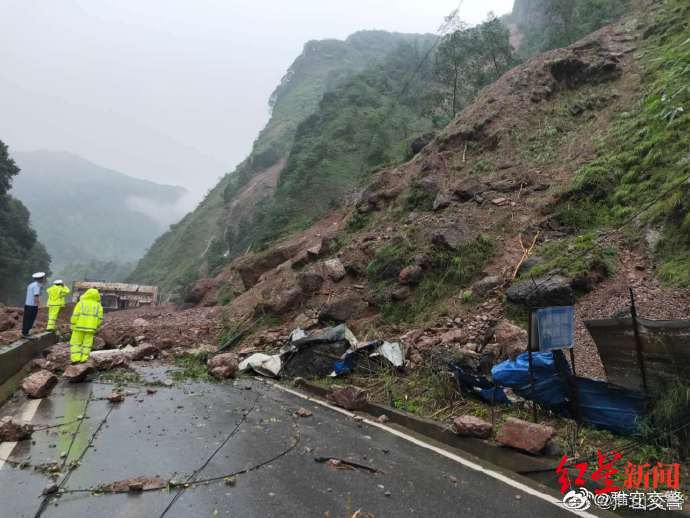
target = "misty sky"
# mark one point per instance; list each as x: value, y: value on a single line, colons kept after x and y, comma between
x: 169, y: 90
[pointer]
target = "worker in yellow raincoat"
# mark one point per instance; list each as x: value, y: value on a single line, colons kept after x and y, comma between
x: 86, y: 319
x: 56, y: 301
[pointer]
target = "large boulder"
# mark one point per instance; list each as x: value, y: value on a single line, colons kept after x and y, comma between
x: 486, y: 285
x: 551, y: 290
x: 335, y: 269
x: 77, y: 373
x: 452, y: 235
x: 349, y: 398
x: 283, y: 302
x: 523, y: 435
x: 471, y: 426
x: 13, y: 431
x: 310, y: 282
x: 39, y: 384
x: 467, y: 190
x: 223, y: 366
x: 343, y: 308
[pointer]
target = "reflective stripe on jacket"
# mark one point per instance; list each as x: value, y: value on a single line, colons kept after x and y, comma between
x: 56, y: 295
x: 88, y: 312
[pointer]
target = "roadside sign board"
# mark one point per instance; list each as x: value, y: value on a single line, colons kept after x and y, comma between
x: 555, y: 328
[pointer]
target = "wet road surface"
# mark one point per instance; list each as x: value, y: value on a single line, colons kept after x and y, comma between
x: 251, y: 424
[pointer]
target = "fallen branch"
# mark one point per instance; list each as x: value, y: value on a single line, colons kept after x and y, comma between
x: 526, y: 252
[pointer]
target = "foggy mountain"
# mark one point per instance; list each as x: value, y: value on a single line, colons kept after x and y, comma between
x: 94, y: 221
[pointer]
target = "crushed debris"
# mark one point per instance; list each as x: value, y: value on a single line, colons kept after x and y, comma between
x: 337, y: 463
x: 14, y: 431
x: 134, y: 485
x: 303, y: 412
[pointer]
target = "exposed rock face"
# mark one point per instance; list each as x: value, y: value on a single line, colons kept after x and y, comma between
x: 471, y: 426
x: 421, y: 142
x: 349, y: 398
x: 523, y: 435
x: 342, y: 309
x: 509, y: 340
x: 335, y: 269
x: 551, y: 290
x: 143, y: 351
x: 13, y: 431
x: 39, y: 384
x: 77, y: 373
x: 223, y: 366
x: 410, y: 275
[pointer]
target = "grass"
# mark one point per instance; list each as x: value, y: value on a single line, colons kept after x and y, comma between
x: 445, y: 273
x: 119, y: 376
x: 192, y: 367
x: 576, y: 257
x: 646, y: 153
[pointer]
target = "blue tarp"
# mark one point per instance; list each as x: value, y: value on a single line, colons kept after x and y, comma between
x: 607, y: 406
x: 599, y: 404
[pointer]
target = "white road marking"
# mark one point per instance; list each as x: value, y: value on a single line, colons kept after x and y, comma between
x: 449, y: 455
x: 28, y: 413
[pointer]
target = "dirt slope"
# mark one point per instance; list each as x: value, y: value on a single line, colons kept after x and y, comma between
x: 491, y: 179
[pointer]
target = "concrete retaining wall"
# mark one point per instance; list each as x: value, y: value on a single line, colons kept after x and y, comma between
x: 17, y: 354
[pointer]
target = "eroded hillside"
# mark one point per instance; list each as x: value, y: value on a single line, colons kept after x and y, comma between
x: 432, y: 245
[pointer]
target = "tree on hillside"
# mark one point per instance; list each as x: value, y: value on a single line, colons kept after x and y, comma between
x: 565, y: 21
x: 472, y: 57
x: 20, y: 252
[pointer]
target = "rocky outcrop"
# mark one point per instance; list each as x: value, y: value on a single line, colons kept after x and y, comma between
x: 251, y: 267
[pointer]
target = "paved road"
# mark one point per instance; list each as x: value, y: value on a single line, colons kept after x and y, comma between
x: 173, y: 432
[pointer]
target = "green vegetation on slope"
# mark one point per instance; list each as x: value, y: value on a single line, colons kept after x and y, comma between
x: 551, y: 24
x: 203, y: 237
x: 93, y: 220
x: 643, y: 166
x: 20, y: 252
x: 369, y: 121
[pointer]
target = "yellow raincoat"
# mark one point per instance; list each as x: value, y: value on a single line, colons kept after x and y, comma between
x: 56, y: 301
x: 86, y: 319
